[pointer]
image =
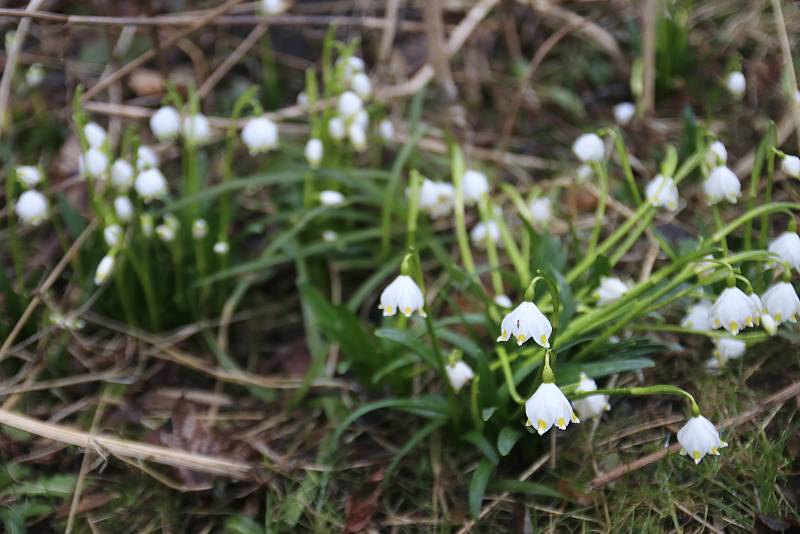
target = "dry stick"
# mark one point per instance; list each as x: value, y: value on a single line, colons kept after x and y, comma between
x: 132, y: 449
x: 150, y: 54
x: 11, y: 61
x: 781, y: 396
x: 44, y: 287
x: 389, y: 30
x: 786, y: 51
x: 232, y: 60
x: 648, y: 94
x: 784, y: 130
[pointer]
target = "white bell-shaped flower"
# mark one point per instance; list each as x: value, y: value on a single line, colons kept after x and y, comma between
x: 336, y: 128
x: 583, y: 173
x: 503, y: 301
x: 199, y: 229
x: 112, y: 235
x: 349, y: 104
x: 717, y: 154
x: 722, y: 184
x: 475, y: 185
x: 150, y: 185
x: 314, y: 151
x: 361, y: 85
x: 781, y: 302
x: 729, y: 348
x: 221, y: 248
x: 352, y: 66
x: 588, y: 147
x: 698, y: 317
x: 736, y: 83
x: 733, y: 311
x: 165, y: 123
x: 480, y: 231
x: 436, y: 198
x: 787, y: 247
x: 273, y: 7
x: 94, y: 163
x: 196, y: 129
x: 146, y: 158
x: 610, y: 290
x: 357, y: 137
x: 331, y: 198
x: 403, y: 295
x: 95, y: 135
x: 166, y: 232
x: 29, y: 175
x: 791, y: 166
x: 31, y: 207
x: 361, y: 118
x: 34, y: 76
x: 386, y: 130
x: 593, y: 405
x: 526, y: 322
x: 458, y: 374
x: 330, y: 236
x: 548, y: 407
x: 260, y: 135
x: 122, y: 175
x: 698, y: 437
x: 662, y: 192
x: 123, y: 207
x: 541, y: 212
x: 624, y: 112
x: 104, y: 269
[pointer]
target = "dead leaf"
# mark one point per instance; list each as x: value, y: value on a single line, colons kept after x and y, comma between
x: 146, y: 82
x: 360, y: 509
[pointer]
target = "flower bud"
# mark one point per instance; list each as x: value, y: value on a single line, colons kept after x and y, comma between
x: 314, y: 151
x: 122, y: 175
x: 104, y: 269
x: 31, y: 207
x: 123, y: 207
x: 260, y: 135
x: 165, y: 123
x: 29, y: 176
x: 95, y: 135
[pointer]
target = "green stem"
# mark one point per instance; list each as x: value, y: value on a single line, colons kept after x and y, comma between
x: 624, y: 160
x: 719, y: 225
x: 512, y: 250
x: 658, y: 389
x: 491, y: 247
x: 457, y: 162
x: 508, y: 375
x: 601, y: 170
x: 762, y: 242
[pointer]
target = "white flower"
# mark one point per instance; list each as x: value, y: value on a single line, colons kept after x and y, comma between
x: 196, y: 129
x: 260, y: 135
x: 797, y: 96
x: 199, y: 229
x: 624, y: 112
x: 722, y: 184
x: 66, y: 323
x: 336, y: 128
x: 729, y: 348
x: 31, y: 207
x: 146, y: 158
x: 698, y: 437
x: 94, y: 163
x: 781, y: 302
x: 357, y: 137
x: 112, y: 234
x: 386, y: 130
x: 703, y: 268
x: 548, y: 407
x: 717, y: 154
x: 314, y: 151
x: 583, y: 173
x: 436, y: 198
x: 475, y: 185
x: 361, y: 85
x: 698, y: 317
x: 588, y: 147
x: 331, y: 198
x: 459, y: 374
x: 503, y: 301
x: 736, y: 83
x: 593, y: 405
x: 733, y: 311
x: 273, y: 7
x: 787, y: 247
x: 349, y: 104
x: 104, y: 269
x: 769, y: 324
x: 402, y: 294
x: 329, y: 236
x: 150, y: 184
x: 29, y: 175
x: 166, y: 232
x: 362, y: 119
x: 480, y: 230
x: 526, y: 322
x: 611, y: 289
x: 662, y: 192
x: 541, y: 211
x: 353, y: 66
x: 122, y: 175
x: 146, y: 223
x: 123, y: 207
x: 221, y: 248
x: 34, y: 76
x: 95, y: 135
x: 791, y: 166
x: 165, y: 123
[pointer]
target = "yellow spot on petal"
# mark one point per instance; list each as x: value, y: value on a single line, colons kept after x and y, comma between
x: 520, y: 339
x: 528, y: 423
x: 748, y: 321
x: 561, y: 423
x: 696, y: 456
x: 388, y: 310
x: 778, y: 317
x: 716, y: 323
x: 733, y: 327
x: 574, y: 418
x: 713, y: 450
x: 407, y: 311
x: 543, y: 339
x: 542, y: 425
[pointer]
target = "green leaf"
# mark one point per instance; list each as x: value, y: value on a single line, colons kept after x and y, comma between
x: 506, y: 440
x: 487, y: 413
x: 408, y: 340
x: 241, y: 524
x: 55, y: 486
x: 428, y: 406
x: 523, y: 486
x: 483, y: 445
x: 569, y: 373
x: 477, y: 486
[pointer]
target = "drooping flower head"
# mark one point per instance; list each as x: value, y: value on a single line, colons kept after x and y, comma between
x: 782, y: 303
x: 146, y: 158
x: 403, y: 295
x: 475, y: 185
x: 717, y: 154
x: 259, y: 135
x: 386, y: 130
x: 165, y: 123
x: 151, y: 185
x: 733, y: 310
x: 736, y: 83
x: 481, y: 230
x: 662, y: 192
x: 624, y: 112
x: 196, y: 129
x: 611, y: 289
x: 458, y: 374
x: 349, y: 104
x: 526, y: 322
x: 331, y: 198
x: 548, y: 407
x: 314, y: 151
x: 698, y: 437
x: 436, y: 198
x: 95, y: 135
x: 588, y: 147
x: 593, y: 405
x: 541, y: 212
x: 722, y: 184
x: 122, y: 175
x: 31, y: 207
x: 104, y: 269
x: 729, y: 348
x: 698, y: 317
x: 29, y: 175
x: 94, y: 163
x: 787, y: 247
x: 361, y: 85
x: 791, y: 166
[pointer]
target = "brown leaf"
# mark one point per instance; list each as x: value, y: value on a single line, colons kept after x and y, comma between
x: 360, y: 509
x: 146, y: 82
